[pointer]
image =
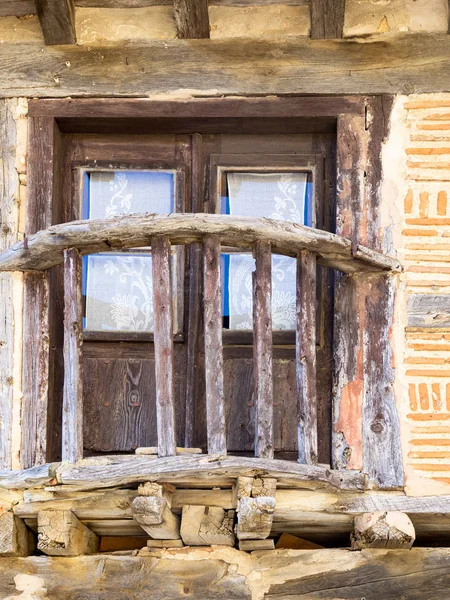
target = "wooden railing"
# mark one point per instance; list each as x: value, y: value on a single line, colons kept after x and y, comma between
x: 68, y: 242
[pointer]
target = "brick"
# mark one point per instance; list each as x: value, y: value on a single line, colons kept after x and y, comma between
x: 409, y: 198
x: 412, y: 397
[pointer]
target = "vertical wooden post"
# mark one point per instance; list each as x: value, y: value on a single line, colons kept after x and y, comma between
x: 212, y: 306
x: 262, y: 349
x: 163, y: 338
x: 72, y: 442
x: 305, y: 344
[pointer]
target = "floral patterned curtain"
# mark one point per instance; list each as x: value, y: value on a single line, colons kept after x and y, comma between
x: 280, y: 196
x: 118, y: 287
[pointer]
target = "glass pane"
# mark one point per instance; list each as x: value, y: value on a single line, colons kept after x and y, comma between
x: 118, y: 287
x: 283, y: 196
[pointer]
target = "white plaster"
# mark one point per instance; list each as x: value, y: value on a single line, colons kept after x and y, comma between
x: 31, y: 586
x: 20, y: 30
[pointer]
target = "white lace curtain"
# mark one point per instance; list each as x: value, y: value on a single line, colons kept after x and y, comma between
x: 276, y: 196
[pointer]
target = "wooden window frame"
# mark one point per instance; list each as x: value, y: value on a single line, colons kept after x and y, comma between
x: 360, y: 123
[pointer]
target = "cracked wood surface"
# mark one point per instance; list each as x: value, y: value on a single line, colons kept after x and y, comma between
x: 45, y: 248
x: 226, y: 573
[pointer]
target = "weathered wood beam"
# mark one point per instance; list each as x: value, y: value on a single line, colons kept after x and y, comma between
x: 327, y: 19
x: 262, y: 350
x: 236, y: 67
x: 252, y: 545
x: 305, y: 343
x: 163, y: 340
x: 192, y: 18
x: 151, y: 509
x: 206, y: 526
x: 45, y: 249
x: 57, y: 18
x: 212, y: 307
x: 15, y: 539
x: 392, y: 530
x: 255, y: 507
x: 72, y: 438
x: 60, y: 533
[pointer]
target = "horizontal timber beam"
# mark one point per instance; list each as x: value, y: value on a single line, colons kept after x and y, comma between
x: 223, y: 573
x: 46, y: 248
x: 391, y: 64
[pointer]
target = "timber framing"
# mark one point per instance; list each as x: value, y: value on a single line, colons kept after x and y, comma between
x: 411, y: 63
x: 57, y: 18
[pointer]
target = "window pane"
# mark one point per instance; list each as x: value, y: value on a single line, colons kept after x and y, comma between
x: 118, y: 287
x: 283, y: 196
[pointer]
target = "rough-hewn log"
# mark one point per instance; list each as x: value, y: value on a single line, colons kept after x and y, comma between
x: 303, y: 66
x: 72, y: 440
x: 60, y: 533
x: 192, y: 19
x: 212, y: 306
x: 45, y: 249
x: 255, y: 507
x: 382, y: 530
x: 252, y: 545
x: 14, y: 536
x: 262, y: 350
x: 163, y: 340
x: 57, y: 18
x: 227, y: 573
x: 152, y: 510
x: 327, y: 19
x: 305, y: 342
x: 198, y: 467
x: 207, y: 526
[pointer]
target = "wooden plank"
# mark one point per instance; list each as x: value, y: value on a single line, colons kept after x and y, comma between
x: 45, y: 249
x: 57, y: 18
x: 382, y: 450
x: 72, y: 441
x: 212, y: 306
x: 14, y: 536
x: 162, y: 306
x: 18, y: 8
x: 60, y: 533
x: 191, y: 18
x: 305, y: 341
x: 428, y: 310
x: 9, y: 199
x: 218, y: 108
x: 303, y: 66
x: 115, y: 472
x: 327, y: 19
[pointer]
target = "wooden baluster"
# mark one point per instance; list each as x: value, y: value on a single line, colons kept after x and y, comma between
x: 306, y: 358
x: 163, y: 339
x: 72, y: 434
x: 262, y: 349
x: 212, y: 306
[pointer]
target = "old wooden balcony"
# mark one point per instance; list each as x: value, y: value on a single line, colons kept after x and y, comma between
x: 67, y: 243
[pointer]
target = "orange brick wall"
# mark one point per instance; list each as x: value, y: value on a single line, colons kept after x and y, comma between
x: 426, y: 258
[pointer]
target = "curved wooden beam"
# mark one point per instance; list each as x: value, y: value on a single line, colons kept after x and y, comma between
x: 44, y: 249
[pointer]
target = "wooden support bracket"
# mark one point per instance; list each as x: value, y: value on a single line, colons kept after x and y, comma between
x: 207, y: 525
x: 382, y: 530
x: 255, y: 507
x: 60, y: 533
x: 151, y: 510
x: 15, y: 538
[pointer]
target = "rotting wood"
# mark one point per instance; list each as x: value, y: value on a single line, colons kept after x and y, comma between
x: 45, y: 249
x: 262, y: 350
x: 391, y: 530
x: 57, y: 18
x: 212, y: 306
x: 60, y: 533
x: 237, y: 67
x: 162, y: 306
x: 191, y: 18
x: 305, y: 340
x: 255, y: 507
x: 14, y: 536
x: 327, y: 19
x: 72, y: 442
x: 206, y: 526
x: 153, y: 514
